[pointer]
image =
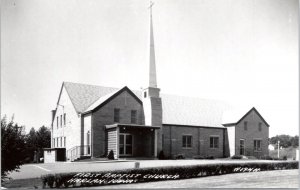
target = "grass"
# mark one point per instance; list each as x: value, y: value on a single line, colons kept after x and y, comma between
x: 22, y: 183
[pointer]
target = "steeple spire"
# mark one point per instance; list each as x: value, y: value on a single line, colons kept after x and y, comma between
x: 152, y: 69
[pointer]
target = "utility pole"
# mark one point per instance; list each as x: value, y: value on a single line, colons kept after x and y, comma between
x: 278, y: 148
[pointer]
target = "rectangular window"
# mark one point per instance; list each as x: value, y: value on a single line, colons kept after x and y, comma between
x: 133, y: 116
x: 116, y: 115
x: 245, y: 126
x: 60, y: 120
x: 242, y: 147
x: 259, y: 126
x: 186, y: 141
x: 53, y: 142
x: 65, y: 139
x: 214, y: 142
x: 57, y: 122
x: 257, y: 145
x: 60, y: 141
x: 65, y: 116
x: 57, y: 142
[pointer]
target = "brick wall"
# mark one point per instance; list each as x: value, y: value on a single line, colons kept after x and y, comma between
x: 105, y: 116
x: 172, y: 141
x: 250, y: 134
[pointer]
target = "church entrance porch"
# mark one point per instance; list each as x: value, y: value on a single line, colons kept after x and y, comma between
x: 132, y: 140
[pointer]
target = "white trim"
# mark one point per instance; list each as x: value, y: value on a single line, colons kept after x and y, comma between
x: 117, y: 144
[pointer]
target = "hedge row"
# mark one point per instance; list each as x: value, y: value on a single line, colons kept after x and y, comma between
x: 160, y: 173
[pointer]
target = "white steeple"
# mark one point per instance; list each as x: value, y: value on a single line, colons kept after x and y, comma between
x: 152, y: 68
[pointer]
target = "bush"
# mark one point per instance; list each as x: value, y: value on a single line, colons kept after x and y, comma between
x: 204, y: 157
x: 266, y: 158
x: 198, y: 157
x: 209, y: 157
x: 161, y: 155
x: 284, y: 158
x: 111, y: 155
x: 236, y: 157
x: 181, y: 172
x: 179, y: 156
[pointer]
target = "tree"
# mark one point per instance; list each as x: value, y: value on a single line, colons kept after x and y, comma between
x: 36, y: 141
x: 285, y: 140
x: 31, y: 143
x: 12, y: 147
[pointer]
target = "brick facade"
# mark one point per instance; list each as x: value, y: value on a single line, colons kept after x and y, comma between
x: 147, y: 142
x: 172, y: 141
x: 252, y: 133
x: 105, y: 116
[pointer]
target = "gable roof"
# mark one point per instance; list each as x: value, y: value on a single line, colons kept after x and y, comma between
x: 177, y: 110
x: 83, y: 95
x: 182, y: 110
x: 233, y: 118
x: 106, y: 98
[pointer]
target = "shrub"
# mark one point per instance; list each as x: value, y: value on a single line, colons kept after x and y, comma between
x: 111, y: 155
x: 179, y: 156
x: 284, y: 158
x: 161, y: 155
x: 236, y: 157
x: 198, y: 157
x: 209, y: 157
x: 266, y: 158
x: 182, y: 172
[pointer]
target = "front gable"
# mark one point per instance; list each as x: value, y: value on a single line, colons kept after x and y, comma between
x: 125, y: 94
x: 253, y: 111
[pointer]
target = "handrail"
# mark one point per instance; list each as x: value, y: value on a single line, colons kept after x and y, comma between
x: 78, y: 151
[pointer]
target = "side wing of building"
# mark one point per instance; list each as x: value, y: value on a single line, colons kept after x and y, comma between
x: 65, y: 132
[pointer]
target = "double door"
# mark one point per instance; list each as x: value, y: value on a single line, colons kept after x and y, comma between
x: 125, y: 144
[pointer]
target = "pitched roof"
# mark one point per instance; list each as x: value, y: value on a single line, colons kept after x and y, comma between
x: 177, y: 110
x: 83, y: 95
x: 181, y: 110
x: 104, y: 99
x: 234, y: 117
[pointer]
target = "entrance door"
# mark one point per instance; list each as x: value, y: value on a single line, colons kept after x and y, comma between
x: 242, y: 147
x: 125, y: 144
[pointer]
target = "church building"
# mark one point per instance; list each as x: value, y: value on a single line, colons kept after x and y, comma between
x: 90, y: 121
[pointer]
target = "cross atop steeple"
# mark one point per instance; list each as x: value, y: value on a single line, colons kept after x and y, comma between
x: 152, y: 68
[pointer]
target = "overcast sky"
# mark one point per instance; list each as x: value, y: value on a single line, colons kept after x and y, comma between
x: 244, y: 52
